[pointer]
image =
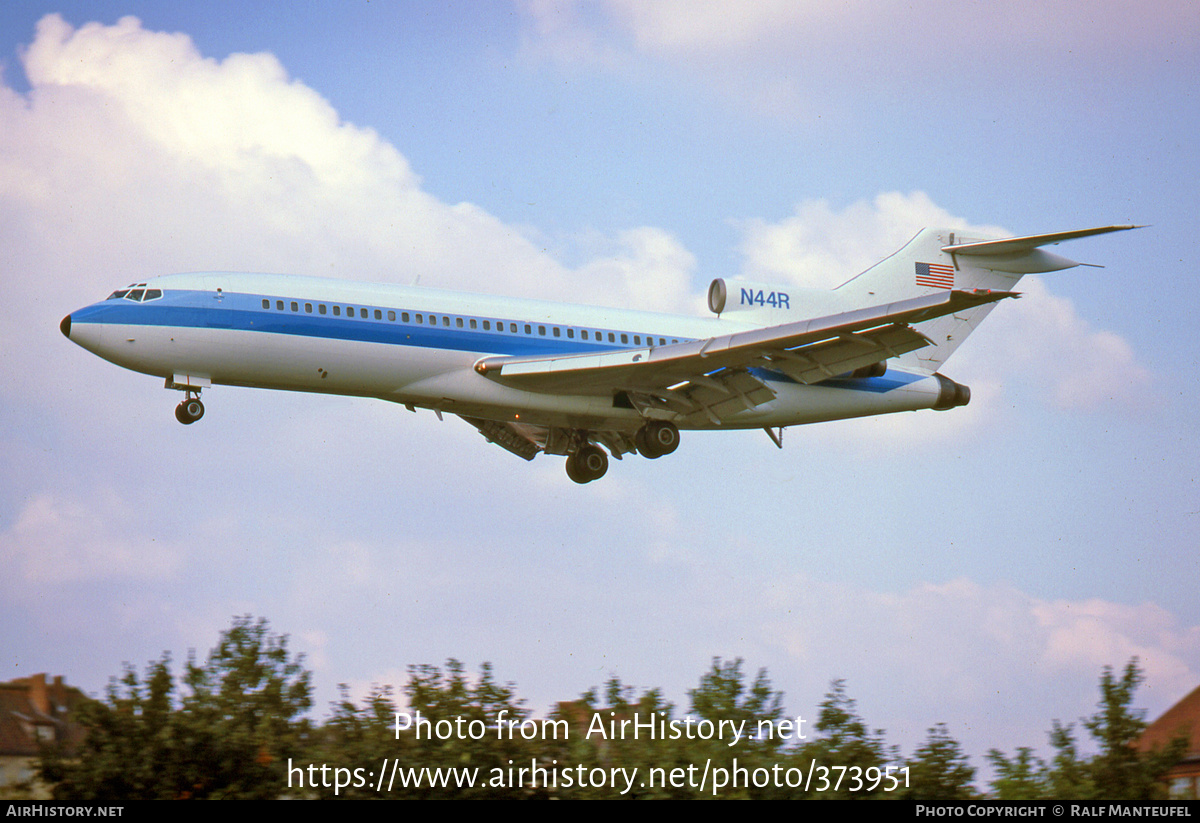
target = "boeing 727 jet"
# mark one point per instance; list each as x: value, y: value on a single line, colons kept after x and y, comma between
x: 584, y: 382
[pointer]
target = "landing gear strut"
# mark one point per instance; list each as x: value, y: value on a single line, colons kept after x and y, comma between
x: 656, y: 438
x: 587, y: 463
x: 190, y: 410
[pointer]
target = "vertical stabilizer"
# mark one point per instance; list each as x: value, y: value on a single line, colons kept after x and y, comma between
x: 942, y: 259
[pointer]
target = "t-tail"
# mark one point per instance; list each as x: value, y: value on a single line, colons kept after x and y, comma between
x: 943, y: 259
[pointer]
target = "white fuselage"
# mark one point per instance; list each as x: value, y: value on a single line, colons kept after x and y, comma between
x: 418, y: 347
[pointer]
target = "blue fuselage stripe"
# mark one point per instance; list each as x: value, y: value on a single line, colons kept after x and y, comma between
x: 244, y: 312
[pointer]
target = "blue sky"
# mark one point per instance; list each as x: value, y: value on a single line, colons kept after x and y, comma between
x: 977, y: 567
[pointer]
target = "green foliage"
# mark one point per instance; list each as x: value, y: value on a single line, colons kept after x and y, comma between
x: 1119, y: 771
x: 723, y: 697
x: 450, y: 699
x: 844, y: 742
x: 720, y: 697
x: 593, y: 743
x: 233, y: 727
x: 1021, y: 778
x: 939, y: 770
x: 229, y: 736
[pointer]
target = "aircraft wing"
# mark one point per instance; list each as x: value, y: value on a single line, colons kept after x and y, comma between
x: 716, y: 376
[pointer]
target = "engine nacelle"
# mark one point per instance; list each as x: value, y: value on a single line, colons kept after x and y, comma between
x: 950, y: 394
x: 769, y: 304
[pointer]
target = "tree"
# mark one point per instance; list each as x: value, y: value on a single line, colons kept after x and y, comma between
x: 719, y: 697
x: 1120, y: 771
x: 844, y: 741
x: 1021, y: 778
x: 464, y: 732
x: 229, y: 736
x: 939, y: 770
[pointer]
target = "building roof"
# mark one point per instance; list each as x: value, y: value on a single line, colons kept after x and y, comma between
x: 34, y: 713
x: 1182, y: 718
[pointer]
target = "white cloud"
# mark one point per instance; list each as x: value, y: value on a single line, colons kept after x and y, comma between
x: 774, y: 30
x: 55, y: 541
x: 792, y: 59
x: 135, y: 155
x: 821, y: 247
x: 986, y: 651
x: 1076, y: 365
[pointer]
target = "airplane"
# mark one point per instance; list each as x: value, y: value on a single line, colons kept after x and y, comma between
x: 535, y: 376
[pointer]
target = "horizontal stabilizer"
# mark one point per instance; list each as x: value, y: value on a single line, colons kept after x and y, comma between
x: 1023, y: 255
x: 1012, y: 245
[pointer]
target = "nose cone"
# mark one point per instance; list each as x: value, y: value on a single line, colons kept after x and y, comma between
x: 65, y: 326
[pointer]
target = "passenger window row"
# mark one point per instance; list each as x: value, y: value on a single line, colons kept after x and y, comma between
x: 446, y: 321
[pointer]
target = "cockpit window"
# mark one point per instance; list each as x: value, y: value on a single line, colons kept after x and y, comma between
x: 138, y: 295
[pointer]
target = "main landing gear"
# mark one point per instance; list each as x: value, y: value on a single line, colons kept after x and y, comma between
x: 587, y: 461
x: 656, y: 438
x: 190, y: 410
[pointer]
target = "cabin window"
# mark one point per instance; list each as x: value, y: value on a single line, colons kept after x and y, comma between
x: 391, y: 316
x: 420, y: 319
x: 279, y: 305
x: 557, y: 332
x: 542, y: 331
x: 612, y: 338
x: 308, y: 308
x: 637, y: 340
x: 404, y: 316
x: 458, y: 322
x: 624, y: 338
x: 512, y: 327
x: 473, y: 323
x: 582, y: 333
x: 445, y: 320
x: 349, y: 311
x: 487, y: 325
x: 266, y: 303
x: 528, y: 329
x: 571, y: 333
x: 337, y: 311
x: 295, y: 306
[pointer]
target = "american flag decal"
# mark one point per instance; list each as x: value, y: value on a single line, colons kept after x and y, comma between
x: 935, y: 275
